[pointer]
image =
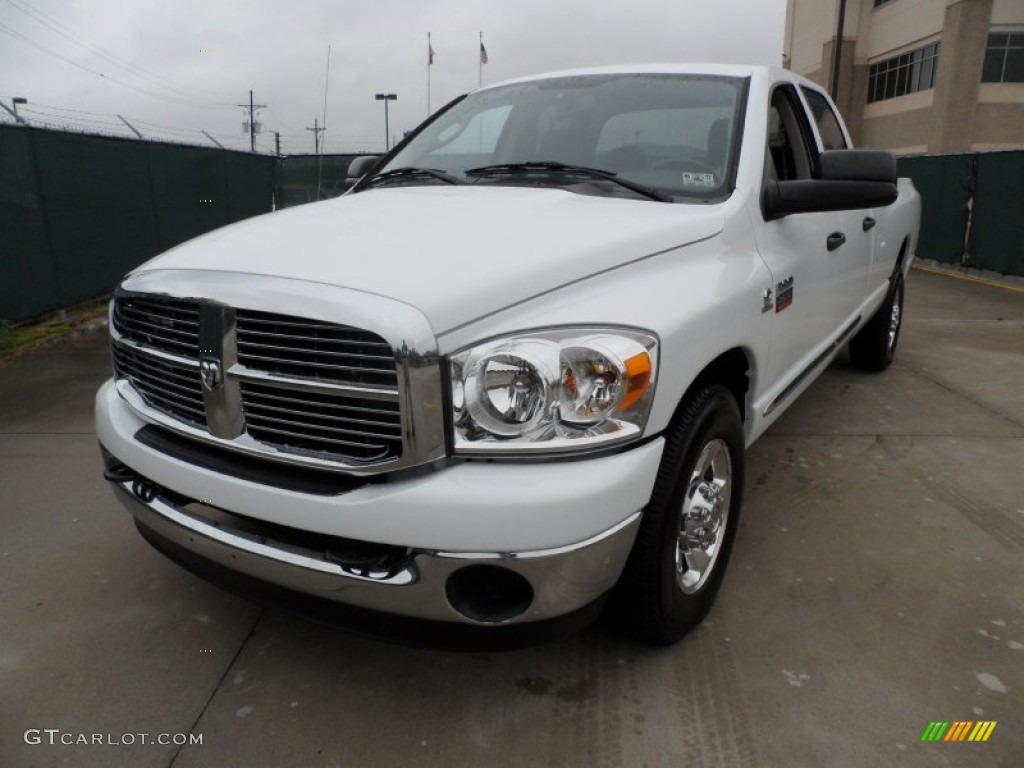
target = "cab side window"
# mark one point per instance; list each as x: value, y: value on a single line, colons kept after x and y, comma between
x: 789, y: 153
x: 828, y: 124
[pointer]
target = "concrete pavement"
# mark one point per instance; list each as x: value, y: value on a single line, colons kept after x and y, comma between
x: 877, y: 584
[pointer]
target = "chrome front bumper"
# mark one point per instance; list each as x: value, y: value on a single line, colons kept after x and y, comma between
x: 561, y: 580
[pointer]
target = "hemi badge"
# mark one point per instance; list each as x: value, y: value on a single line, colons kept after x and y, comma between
x: 784, y: 295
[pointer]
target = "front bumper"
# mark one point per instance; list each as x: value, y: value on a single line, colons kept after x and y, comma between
x: 562, y: 529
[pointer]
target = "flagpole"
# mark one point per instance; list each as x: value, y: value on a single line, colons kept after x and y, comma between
x: 430, y: 60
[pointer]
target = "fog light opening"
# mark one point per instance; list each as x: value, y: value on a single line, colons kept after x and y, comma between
x: 488, y: 594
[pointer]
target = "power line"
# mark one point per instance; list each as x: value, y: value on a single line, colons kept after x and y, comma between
x: 28, y: 41
x: 53, y: 24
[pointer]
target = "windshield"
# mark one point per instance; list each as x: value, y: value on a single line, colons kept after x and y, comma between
x: 672, y: 133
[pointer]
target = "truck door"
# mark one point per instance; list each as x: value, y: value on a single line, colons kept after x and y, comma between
x: 808, y: 296
x: 859, y: 227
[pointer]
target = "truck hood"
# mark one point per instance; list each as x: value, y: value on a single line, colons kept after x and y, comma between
x: 455, y: 253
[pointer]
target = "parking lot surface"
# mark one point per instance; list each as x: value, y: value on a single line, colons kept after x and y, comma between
x: 877, y: 585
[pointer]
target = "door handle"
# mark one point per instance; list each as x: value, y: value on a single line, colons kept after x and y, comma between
x: 868, y: 223
x: 835, y: 240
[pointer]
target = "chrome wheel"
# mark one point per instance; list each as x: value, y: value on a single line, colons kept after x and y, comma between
x: 894, y: 319
x: 704, y: 516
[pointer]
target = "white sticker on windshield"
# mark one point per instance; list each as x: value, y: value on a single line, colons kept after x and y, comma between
x: 698, y: 179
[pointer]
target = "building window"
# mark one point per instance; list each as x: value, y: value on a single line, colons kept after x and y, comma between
x: 1004, y: 59
x: 900, y: 75
x: 881, y: 2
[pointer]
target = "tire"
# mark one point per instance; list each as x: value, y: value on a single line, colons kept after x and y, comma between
x: 664, y: 592
x: 874, y: 346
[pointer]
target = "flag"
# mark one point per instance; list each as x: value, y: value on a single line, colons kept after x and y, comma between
x: 483, y: 53
x: 430, y: 54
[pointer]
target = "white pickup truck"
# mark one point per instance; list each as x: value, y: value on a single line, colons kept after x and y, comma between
x: 507, y: 381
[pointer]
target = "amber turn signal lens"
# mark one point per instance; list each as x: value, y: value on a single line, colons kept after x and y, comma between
x: 638, y: 376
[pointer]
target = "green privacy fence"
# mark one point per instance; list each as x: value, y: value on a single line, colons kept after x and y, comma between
x: 299, y: 177
x: 972, y: 208
x: 79, y: 211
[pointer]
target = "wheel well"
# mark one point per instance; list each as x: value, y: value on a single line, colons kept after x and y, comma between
x: 904, y: 247
x: 732, y: 370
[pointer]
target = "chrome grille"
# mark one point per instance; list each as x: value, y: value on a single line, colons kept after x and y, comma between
x: 322, y: 423
x: 301, y: 390
x: 293, y: 346
x: 170, y: 387
x: 171, y: 325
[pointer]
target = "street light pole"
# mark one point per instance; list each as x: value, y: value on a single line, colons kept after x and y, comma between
x: 386, y: 97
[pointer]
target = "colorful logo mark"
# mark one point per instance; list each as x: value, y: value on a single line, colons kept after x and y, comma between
x: 959, y: 730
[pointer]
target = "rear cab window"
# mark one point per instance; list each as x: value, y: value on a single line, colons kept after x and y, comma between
x: 825, y: 119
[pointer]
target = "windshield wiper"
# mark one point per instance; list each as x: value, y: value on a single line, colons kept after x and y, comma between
x: 398, y: 174
x: 551, y: 166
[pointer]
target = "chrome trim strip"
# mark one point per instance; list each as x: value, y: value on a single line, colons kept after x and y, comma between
x: 124, y: 341
x: 405, y: 328
x: 535, y: 553
x: 829, y: 351
x: 239, y: 370
x: 260, y: 546
x: 563, y: 578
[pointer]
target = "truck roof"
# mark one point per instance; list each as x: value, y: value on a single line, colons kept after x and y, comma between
x: 694, y: 68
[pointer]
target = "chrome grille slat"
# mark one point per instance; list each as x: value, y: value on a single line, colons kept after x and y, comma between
x: 181, y: 380
x: 318, y: 421
x: 261, y: 409
x: 154, y: 380
x: 249, y: 356
x: 255, y: 401
x: 178, y: 313
x: 254, y: 397
x: 171, y: 325
x: 382, y: 345
x: 260, y: 421
x: 175, y: 406
x: 380, y: 448
x: 179, y: 316
x: 269, y: 318
x: 293, y: 350
x: 169, y: 388
x: 183, y: 336
x: 290, y: 346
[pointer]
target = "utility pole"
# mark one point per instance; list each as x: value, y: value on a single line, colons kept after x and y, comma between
x: 317, y: 130
x: 253, y: 126
x: 386, y: 97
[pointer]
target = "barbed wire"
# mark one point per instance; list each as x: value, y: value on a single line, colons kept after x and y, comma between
x: 109, y: 124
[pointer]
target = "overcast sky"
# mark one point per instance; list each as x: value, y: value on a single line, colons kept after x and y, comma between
x: 174, y: 67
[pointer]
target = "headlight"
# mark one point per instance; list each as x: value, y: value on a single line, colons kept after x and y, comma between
x: 556, y: 390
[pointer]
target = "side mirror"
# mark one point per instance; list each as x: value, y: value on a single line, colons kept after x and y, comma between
x: 849, y: 179
x: 359, y: 167
x: 858, y: 165
x: 782, y: 198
